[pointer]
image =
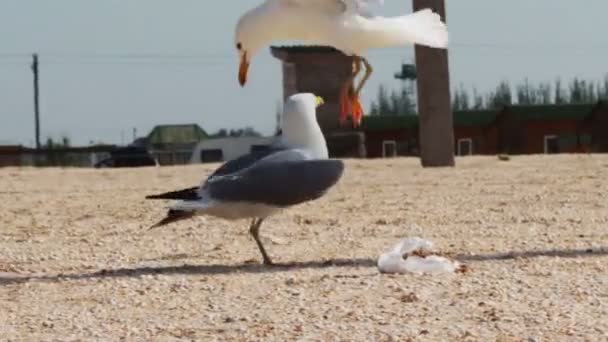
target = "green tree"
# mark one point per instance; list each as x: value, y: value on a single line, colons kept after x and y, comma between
x: 577, y: 91
x: 560, y: 97
x: 526, y: 94
x: 544, y: 93
x: 393, y: 103
x: 604, y: 93
x: 461, y: 99
x: 500, y: 97
x: 477, y: 100
x: 55, y: 156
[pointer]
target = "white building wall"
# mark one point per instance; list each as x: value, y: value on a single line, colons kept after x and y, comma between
x: 232, y: 147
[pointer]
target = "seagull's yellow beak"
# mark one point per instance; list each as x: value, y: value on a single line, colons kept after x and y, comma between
x: 243, y: 68
x: 319, y: 101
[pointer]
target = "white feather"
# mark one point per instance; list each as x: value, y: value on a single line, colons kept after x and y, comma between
x: 344, y: 24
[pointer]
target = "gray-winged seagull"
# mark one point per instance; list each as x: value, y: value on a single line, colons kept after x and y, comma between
x: 295, y: 169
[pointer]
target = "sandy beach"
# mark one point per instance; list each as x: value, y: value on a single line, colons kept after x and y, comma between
x: 77, y: 261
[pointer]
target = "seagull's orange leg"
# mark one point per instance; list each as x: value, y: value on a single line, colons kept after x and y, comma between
x: 344, y: 102
x: 357, y: 109
x: 347, y: 105
x: 368, y: 73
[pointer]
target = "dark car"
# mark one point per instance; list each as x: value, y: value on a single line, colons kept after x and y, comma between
x: 130, y: 156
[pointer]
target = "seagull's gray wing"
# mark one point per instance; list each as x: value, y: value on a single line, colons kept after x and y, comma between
x: 231, y: 166
x: 285, y: 178
x: 245, y: 161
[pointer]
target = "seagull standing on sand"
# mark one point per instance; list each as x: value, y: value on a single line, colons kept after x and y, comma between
x: 347, y: 25
x: 295, y: 169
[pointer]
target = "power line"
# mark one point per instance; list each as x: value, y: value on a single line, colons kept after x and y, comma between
x: 222, y: 55
x: 14, y: 55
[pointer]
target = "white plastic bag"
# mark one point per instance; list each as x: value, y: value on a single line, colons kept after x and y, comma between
x: 400, y: 260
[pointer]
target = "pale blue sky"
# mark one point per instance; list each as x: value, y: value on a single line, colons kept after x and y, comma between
x: 92, y: 90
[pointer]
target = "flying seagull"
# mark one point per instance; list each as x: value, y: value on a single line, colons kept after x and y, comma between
x: 295, y: 169
x: 347, y: 25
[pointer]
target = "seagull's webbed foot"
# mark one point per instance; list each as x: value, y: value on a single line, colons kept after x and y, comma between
x: 356, y: 108
x: 254, y: 230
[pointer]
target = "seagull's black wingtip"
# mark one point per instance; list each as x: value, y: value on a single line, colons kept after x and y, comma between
x: 189, y: 194
x: 173, y: 216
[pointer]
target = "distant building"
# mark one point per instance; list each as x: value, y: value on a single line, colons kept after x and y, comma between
x: 596, y: 124
x: 53, y: 157
x: 390, y: 135
x: 475, y: 132
x: 513, y: 129
x: 173, y: 144
x: 11, y: 155
x: 552, y: 128
x: 227, y: 148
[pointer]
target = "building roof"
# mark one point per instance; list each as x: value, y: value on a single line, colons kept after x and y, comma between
x: 487, y: 117
x: 474, y: 117
x: 176, y: 134
x: 553, y: 112
x: 461, y: 118
x: 11, y: 148
x: 385, y: 122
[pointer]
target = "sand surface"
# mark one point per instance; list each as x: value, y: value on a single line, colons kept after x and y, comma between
x: 77, y: 261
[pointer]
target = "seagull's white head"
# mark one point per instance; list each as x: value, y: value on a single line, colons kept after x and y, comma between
x: 300, y: 127
x: 253, y: 31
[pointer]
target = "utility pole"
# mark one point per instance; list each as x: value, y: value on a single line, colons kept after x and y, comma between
x: 434, y: 99
x: 36, y: 100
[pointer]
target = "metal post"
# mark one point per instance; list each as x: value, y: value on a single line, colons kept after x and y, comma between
x: 36, y: 99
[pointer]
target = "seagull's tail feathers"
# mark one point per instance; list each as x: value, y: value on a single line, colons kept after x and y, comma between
x: 423, y: 27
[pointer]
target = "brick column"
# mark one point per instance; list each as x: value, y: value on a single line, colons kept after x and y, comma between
x: 319, y: 70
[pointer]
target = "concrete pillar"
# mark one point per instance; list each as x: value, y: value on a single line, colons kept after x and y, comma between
x: 434, y: 99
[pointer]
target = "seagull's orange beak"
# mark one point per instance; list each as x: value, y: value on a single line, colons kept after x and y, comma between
x: 243, y: 68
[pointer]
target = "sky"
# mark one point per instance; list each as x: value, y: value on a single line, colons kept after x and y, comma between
x: 108, y: 67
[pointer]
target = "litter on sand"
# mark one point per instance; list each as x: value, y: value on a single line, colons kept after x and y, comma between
x: 411, y: 256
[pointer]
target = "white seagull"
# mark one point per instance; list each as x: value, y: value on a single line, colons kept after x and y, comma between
x: 295, y: 169
x: 347, y: 25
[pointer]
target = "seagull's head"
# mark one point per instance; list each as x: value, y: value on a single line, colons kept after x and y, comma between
x: 300, y: 127
x: 251, y: 34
